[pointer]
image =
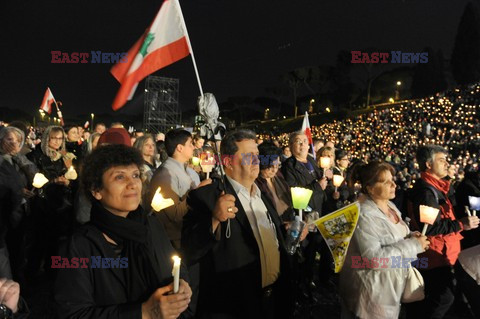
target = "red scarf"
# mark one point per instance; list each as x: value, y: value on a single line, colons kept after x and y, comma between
x: 444, y: 249
x: 440, y: 184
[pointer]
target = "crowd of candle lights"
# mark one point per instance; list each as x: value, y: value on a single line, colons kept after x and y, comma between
x: 448, y: 119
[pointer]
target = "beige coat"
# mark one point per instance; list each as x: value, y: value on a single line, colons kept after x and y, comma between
x: 376, y: 292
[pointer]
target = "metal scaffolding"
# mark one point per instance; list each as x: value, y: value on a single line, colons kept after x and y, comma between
x: 161, y: 109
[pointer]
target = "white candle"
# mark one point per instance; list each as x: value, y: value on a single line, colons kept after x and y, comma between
x: 159, y: 203
x: 176, y: 273
x: 39, y: 180
x: 468, y: 210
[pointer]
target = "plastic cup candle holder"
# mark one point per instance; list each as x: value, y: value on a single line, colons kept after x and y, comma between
x: 300, y: 198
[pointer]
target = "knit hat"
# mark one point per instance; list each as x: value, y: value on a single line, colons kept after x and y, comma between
x: 115, y: 136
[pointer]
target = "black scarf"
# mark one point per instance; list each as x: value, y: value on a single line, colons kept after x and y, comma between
x: 134, y: 235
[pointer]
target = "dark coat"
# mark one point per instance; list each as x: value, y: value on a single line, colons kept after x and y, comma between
x: 297, y: 175
x: 55, y: 197
x: 230, y: 269
x: 101, y: 293
x: 10, y: 196
x: 470, y: 186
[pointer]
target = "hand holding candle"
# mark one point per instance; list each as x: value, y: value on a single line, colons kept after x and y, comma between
x: 159, y: 203
x: 39, y: 180
x: 176, y: 273
x: 428, y: 215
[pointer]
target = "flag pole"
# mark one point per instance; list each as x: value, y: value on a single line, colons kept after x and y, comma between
x: 60, y: 116
x: 189, y: 46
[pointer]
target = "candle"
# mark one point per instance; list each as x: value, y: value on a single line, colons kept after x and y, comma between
x: 71, y: 174
x: 428, y: 215
x: 337, y: 180
x: 159, y: 203
x: 195, y: 161
x: 176, y: 273
x: 300, y: 198
x: 324, y: 162
x: 39, y: 180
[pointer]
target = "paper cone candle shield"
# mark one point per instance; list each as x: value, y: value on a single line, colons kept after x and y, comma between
x: 39, y: 180
x: 71, y: 174
x: 428, y: 214
x: 474, y: 202
x: 300, y: 197
x: 337, y: 180
x: 325, y: 162
x: 159, y: 203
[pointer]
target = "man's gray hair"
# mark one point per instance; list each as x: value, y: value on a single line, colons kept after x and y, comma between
x: 293, y: 136
x: 426, y: 153
x: 229, y: 142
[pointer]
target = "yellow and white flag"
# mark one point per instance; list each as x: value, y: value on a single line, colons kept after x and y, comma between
x: 337, y: 229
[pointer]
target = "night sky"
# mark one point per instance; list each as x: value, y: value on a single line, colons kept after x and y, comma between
x: 241, y: 47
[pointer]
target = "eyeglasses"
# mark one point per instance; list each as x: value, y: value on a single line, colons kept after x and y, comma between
x: 299, y: 142
x: 56, y: 138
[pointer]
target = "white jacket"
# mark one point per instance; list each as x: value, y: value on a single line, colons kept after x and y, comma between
x: 376, y: 292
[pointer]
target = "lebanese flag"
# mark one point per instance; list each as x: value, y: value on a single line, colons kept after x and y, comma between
x: 47, y: 102
x: 164, y: 43
x: 308, y: 132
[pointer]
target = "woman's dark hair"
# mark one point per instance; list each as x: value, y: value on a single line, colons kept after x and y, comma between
x: 161, y: 150
x: 368, y: 174
x: 103, y: 158
x: 175, y: 137
x: 268, y: 153
x: 339, y: 154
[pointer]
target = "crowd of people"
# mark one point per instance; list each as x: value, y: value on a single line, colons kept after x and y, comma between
x: 231, y: 225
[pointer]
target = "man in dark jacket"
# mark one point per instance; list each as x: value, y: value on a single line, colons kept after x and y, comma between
x: 234, y: 233
x: 444, y: 235
x: 300, y: 170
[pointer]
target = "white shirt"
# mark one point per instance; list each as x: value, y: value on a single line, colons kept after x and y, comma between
x: 263, y: 229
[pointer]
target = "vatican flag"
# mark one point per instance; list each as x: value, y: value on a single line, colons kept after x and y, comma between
x: 337, y: 229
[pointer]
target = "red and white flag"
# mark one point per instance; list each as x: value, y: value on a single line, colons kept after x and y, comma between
x: 165, y: 42
x: 48, y: 101
x: 308, y: 132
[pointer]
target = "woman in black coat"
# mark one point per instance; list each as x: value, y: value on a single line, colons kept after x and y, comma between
x: 120, y: 263
x: 52, y: 208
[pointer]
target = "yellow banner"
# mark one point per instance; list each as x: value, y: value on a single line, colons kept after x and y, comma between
x: 337, y: 229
